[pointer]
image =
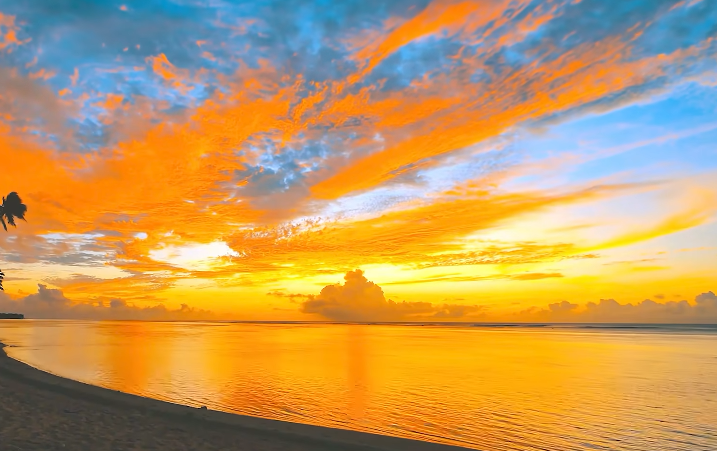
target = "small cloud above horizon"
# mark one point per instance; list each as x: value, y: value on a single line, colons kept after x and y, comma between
x: 359, y: 299
x: 702, y: 311
x: 51, y: 303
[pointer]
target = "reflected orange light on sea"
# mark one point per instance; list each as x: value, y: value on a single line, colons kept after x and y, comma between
x: 563, y: 388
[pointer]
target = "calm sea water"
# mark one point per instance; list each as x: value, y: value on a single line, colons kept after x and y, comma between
x: 492, y: 388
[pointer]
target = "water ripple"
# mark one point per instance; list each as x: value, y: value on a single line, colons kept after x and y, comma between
x: 497, y: 388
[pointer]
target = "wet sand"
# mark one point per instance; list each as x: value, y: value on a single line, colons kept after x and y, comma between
x: 41, y: 411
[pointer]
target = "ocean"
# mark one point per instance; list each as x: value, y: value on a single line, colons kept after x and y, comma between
x: 488, y: 387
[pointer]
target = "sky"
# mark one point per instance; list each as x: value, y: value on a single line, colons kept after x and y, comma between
x: 361, y: 160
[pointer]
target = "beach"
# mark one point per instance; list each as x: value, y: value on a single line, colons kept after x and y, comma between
x: 41, y: 411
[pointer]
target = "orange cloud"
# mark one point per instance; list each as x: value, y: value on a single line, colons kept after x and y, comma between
x: 50, y: 303
x: 168, y: 178
x: 702, y: 311
x: 422, y: 236
x: 692, y: 217
x: 448, y: 15
x: 462, y: 278
x: 8, y: 33
x: 174, y: 76
x: 576, y: 78
x: 358, y: 299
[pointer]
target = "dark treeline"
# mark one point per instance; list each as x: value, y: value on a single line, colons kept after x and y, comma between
x: 12, y: 316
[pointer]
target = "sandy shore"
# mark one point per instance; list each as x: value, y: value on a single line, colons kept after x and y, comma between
x: 41, y: 411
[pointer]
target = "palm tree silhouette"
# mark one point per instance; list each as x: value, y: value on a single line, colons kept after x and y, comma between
x: 11, y: 208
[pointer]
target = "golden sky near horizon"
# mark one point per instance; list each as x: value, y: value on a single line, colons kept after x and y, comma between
x: 476, y: 160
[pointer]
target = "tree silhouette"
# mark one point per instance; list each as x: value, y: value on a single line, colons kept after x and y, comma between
x: 11, y: 208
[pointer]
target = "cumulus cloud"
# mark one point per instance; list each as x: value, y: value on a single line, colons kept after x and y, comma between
x: 359, y: 299
x: 702, y: 310
x: 49, y: 303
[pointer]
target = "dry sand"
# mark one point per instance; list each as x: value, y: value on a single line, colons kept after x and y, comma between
x: 40, y: 411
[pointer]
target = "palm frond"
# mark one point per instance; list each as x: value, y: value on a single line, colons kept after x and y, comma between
x: 12, y: 207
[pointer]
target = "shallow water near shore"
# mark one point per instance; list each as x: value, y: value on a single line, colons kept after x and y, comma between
x: 492, y: 387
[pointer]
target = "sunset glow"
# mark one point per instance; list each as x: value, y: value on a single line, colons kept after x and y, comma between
x: 445, y: 160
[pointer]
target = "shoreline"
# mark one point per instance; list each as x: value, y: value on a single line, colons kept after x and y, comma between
x: 247, y: 429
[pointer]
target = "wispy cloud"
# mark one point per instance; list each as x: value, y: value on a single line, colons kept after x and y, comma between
x: 237, y: 144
